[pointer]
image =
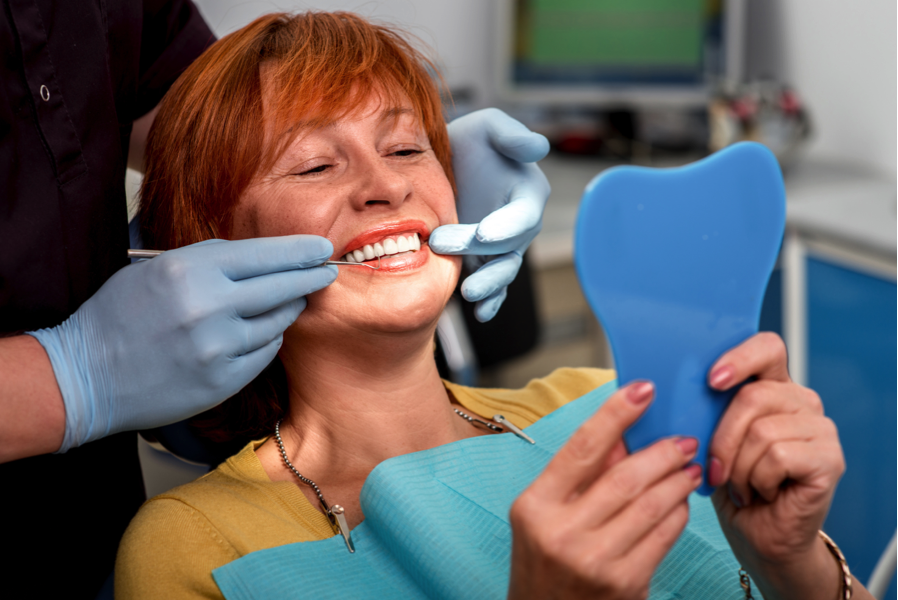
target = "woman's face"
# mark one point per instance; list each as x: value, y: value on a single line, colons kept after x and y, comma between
x: 371, y: 184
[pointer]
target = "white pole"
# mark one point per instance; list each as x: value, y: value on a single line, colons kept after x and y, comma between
x: 882, y: 574
x: 795, y: 306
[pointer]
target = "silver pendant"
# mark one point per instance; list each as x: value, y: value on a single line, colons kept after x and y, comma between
x: 336, y: 512
x: 512, y: 428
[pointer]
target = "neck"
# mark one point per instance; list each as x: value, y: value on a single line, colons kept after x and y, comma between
x: 353, y: 408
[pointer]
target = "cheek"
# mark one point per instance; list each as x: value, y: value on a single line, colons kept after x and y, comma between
x: 268, y: 213
x: 444, y: 204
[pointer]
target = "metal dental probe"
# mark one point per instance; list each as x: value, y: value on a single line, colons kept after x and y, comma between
x: 132, y: 253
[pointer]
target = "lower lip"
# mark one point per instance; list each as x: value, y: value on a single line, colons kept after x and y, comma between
x: 394, y: 264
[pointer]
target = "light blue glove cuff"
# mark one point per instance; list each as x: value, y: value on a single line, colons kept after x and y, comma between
x: 66, y: 346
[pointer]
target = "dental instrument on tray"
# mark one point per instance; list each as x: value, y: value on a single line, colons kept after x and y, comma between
x: 133, y: 253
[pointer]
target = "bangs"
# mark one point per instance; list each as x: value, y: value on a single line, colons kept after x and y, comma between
x: 208, y: 141
x: 327, y: 66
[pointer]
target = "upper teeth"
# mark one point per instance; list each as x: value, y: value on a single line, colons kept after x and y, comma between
x: 386, y: 247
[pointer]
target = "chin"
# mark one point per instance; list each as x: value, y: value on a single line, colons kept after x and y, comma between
x: 406, y: 304
x: 406, y: 316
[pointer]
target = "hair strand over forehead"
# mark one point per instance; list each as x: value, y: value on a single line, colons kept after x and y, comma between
x: 205, y: 146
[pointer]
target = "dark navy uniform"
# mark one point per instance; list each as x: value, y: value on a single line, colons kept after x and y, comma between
x: 74, y: 75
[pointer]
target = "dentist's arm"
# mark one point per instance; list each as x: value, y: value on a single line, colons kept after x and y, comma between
x: 161, y: 341
x: 32, y: 414
x: 501, y: 197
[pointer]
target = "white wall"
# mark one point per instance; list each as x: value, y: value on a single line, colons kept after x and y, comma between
x: 841, y: 57
x: 457, y: 30
x: 839, y: 54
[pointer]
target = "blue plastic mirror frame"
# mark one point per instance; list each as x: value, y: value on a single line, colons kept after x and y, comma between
x: 675, y: 263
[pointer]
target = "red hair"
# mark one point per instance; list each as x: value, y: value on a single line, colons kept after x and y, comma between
x: 205, y: 146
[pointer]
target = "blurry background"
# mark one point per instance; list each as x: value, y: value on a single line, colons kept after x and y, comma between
x: 663, y: 83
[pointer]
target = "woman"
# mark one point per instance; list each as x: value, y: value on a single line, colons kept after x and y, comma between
x: 326, y: 124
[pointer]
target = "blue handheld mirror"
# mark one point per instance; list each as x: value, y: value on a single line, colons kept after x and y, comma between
x: 674, y: 263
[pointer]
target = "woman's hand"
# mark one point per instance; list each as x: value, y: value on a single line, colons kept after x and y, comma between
x: 597, y: 522
x: 777, y: 459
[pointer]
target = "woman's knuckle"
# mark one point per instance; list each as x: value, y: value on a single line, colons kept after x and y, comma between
x: 522, y: 510
x: 751, y: 394
x: 837, y: 463
x: 680, y: 516
x: 673, y: 524
x: 632, y: 584
x: 553, y: 544
x: 761, y: 431
x: 583, y: 447
x: 622, y: 483
x: 812, y: 399
x: 774, y: 344
x: 779, y: 454
x: 830, y: 429
x: 651, y: 508
x: 673, y: 456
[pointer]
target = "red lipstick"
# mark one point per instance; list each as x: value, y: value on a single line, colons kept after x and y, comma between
x: 385, y: 230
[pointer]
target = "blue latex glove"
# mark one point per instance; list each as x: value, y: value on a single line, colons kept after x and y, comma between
x: 167, y: 338
x: 501, y: 197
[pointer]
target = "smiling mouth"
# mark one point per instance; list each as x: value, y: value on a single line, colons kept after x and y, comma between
x: 394, y: 245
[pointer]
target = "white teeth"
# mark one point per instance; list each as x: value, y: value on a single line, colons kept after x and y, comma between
x: 387, y: 247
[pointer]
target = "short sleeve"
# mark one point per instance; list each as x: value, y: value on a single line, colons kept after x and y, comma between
x: 174, y: 34
x: 169, y: 551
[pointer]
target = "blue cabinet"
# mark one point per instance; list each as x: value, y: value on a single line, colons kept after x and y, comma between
x: 851, y: 362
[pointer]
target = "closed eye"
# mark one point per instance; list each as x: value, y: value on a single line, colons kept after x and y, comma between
x: 318, y: 169
x: 407, y: 152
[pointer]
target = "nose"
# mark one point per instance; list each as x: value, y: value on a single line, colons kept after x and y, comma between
x: 380, y: 184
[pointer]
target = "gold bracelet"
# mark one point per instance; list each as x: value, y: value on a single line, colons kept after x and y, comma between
x: 846, y: 588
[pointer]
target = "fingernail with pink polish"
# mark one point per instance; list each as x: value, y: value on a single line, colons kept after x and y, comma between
x: 694, y: 471
x: 640, y: 393
x: 721, y: 376
x: 687, y: 445
x: 715, y: 472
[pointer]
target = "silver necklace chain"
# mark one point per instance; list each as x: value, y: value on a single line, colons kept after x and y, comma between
x: 475, y: 421
x: 277, y: 434
x: 304, y: 479
x: 336, y: 513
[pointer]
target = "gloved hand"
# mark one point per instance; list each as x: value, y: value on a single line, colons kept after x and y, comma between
x: 501, y: 197
x: 167, y: 338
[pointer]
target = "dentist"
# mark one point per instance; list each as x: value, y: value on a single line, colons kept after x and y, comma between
x: 90, y: 350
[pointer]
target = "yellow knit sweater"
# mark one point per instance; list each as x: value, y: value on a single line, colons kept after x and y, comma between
x: 178, y: 538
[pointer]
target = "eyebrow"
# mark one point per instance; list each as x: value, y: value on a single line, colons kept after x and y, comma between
x: 389, y: 113
x: 395, y: 112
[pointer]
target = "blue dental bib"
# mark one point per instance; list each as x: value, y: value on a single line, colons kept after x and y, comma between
x: 674, y: 263
x: 436, y: 526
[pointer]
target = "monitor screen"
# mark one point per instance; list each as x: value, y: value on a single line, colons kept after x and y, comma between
x: 611, y: 49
